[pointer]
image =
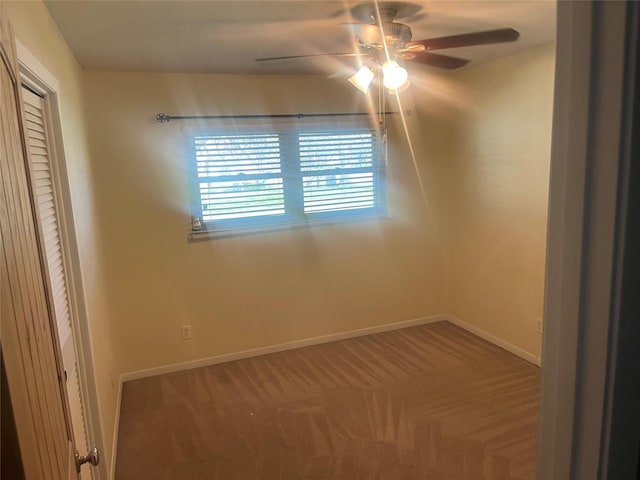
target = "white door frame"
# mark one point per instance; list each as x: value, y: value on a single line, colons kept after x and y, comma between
x: 596, y: 45
x: 37, y: 77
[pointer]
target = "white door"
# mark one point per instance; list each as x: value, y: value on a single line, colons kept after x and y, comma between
x: 52, y: 244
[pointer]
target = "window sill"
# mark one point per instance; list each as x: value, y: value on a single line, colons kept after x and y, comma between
x: 200, y: 235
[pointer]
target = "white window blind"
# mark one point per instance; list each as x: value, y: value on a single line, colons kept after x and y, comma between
x: 239, y: 176
x: 257, y: 177
x: 338, y: 170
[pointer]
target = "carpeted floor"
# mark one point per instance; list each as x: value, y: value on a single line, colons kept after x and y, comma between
x: 430, y: 402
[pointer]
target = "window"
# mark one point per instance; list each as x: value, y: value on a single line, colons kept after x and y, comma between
x: 252, y: 177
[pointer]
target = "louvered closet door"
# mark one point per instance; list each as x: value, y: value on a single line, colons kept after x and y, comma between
x: 48, y: 217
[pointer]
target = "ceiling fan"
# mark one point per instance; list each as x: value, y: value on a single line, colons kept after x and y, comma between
x: 381, y: 41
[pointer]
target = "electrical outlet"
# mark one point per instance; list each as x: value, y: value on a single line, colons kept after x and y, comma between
x: 186, y: 332
x: 539, y: 326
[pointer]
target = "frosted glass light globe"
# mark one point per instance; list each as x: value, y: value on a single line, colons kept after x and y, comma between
x: 362, y: 79
x: 394, y: 76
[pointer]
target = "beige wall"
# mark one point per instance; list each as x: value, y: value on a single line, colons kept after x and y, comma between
x: 498, y: 180
x: 256, y: 290
x: 472, y: 245
x: 35, y: 29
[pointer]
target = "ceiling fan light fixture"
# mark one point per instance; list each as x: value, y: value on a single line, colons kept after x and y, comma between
x: 394, y: 77
x: 362, y: 79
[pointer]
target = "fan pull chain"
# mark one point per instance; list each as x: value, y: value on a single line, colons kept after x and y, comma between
x: 380, y: 98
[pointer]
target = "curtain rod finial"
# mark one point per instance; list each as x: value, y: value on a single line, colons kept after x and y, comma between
x: 162, y: 118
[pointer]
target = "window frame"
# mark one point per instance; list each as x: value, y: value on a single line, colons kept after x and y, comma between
x: 291, y: 174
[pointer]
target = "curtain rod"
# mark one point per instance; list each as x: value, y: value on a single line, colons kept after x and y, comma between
x: 163, y: 118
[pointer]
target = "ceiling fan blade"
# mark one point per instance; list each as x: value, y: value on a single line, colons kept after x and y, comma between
x: 309, y: 56
x: 468, y: 39
x: 437, y: 60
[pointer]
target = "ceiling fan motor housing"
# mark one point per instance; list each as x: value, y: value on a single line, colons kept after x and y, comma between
x: 396, y: 34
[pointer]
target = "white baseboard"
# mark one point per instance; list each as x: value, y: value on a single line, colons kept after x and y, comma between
x: 519, y: 352
x: 114, y: 443
x: 254, y: 352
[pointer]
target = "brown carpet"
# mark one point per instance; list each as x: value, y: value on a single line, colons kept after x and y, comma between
x: 427, y: 402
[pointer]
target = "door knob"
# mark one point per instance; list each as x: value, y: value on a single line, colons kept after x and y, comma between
x: 93, y: 458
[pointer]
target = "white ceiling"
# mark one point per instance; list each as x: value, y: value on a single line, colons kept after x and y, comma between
x: 227, y: 36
